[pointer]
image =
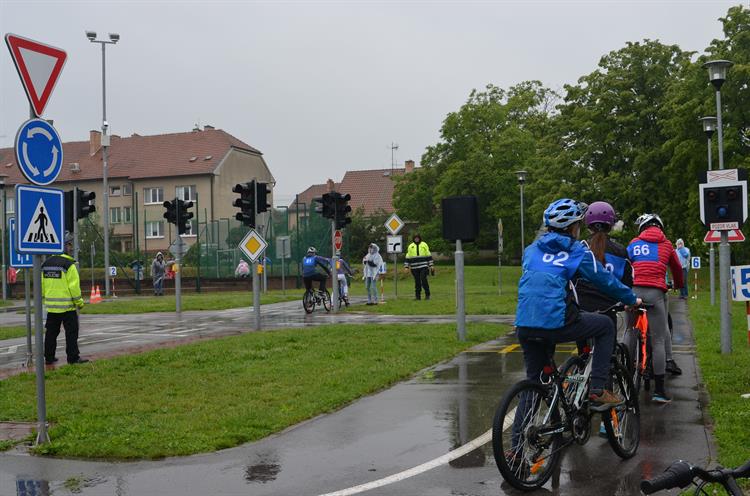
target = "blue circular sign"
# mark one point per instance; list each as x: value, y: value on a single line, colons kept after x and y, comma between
x: 39, y: 151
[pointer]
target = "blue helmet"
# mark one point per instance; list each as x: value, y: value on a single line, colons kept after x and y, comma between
x: 564, y: 212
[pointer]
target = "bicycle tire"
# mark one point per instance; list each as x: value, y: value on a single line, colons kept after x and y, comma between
x: 526, y: 467
x: 635, y: 372
x: 623, y: 423
x: 308, y: 302
x: 326, y: 300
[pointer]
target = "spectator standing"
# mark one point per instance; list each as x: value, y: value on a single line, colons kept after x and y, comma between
x: 683, y: 253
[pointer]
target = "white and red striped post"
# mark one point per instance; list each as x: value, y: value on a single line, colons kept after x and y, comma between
x: 695, y: 292
x: 747, y: 312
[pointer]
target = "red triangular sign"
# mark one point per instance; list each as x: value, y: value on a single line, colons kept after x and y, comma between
x: 712, y: 237
x: 733, y: 235
x: 736, y: 236
x: 38, y: 65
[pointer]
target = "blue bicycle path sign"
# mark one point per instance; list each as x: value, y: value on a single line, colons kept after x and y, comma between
x: 39, y: 151
x: 17, y: 260
x: 41, y: 219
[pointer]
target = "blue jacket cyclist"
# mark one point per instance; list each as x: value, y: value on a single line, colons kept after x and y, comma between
x: 547, y: 303
x: 315, y: 268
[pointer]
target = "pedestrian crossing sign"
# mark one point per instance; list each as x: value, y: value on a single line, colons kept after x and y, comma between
x: 40, y: 219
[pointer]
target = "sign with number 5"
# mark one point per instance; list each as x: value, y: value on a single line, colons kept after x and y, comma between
x: 741, y: 283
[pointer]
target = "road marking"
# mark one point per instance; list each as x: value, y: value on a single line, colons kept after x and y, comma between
x: 419, y: 469
x: 509, y: 348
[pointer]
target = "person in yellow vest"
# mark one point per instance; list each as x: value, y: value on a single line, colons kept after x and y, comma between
x: 419, y: 261
x: 61, y: 290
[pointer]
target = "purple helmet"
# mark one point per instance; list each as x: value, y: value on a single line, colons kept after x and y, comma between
x: 600, y: 212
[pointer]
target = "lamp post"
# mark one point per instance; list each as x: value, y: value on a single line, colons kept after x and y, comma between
x: 717, y: 74
x: 521, y: 175
x: 4, y: 233
x: 709, y: 127
x: 113, y: 38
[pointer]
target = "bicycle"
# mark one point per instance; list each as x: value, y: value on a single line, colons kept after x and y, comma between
x: 640, y: 362
x: 535, y: 421
x: 343, y: 299
x: 313, y: 297
x: 682, y: 474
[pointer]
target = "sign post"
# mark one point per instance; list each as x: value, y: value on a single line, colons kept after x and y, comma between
x: 394, y: 224
x: 177, y: 248
x: 695, y: 264
x: 499, y: 256
x: 21, y: 261
x: 253, y: 245
x: 283, y: 249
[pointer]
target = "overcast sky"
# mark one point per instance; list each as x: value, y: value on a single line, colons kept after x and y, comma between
x: 320, y: 87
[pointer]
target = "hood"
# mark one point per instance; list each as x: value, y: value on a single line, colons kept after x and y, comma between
x: 553, y: 242
x: 653, y: 235
x: 159, y: 254
x: 373, y: 245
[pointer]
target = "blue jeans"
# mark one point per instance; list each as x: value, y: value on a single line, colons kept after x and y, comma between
x: 684, y: 288
x: 371, y: 283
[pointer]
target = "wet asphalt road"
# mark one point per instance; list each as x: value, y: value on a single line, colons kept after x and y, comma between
x: 405, y: 426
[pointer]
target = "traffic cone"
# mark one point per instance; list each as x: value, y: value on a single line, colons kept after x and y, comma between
x: 92, y: 298
x: 97, y: 295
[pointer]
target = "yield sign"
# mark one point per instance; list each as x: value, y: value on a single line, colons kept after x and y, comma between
x: 734, y: 235
x: 38, y: 65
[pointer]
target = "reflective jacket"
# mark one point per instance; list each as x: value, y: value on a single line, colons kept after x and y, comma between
x: 651, y: 253
x: 546, y: 297
x: 61, y: 286
x: 418, y: 256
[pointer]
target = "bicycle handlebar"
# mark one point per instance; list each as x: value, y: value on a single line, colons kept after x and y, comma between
x: 619, y: 307
x: 680, y: 473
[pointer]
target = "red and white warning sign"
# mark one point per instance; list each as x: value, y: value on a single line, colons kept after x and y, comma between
x: 39, y: 66
x: 734, y: 236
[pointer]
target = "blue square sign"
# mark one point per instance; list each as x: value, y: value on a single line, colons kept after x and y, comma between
x: 17, y: 260
x: 40, y: 219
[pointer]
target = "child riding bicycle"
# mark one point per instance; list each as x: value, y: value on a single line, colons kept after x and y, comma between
x: 315, y: 268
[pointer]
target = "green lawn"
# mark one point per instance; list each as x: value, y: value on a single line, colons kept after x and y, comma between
x: 12, y: 332
x: 480, y: 289
x: 726, y: 377
x: 220, y: 393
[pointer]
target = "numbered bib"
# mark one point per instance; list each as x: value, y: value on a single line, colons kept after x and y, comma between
x: 643, y: 251
x: 616, y: 265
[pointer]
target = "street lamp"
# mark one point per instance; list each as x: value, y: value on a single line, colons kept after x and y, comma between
x: 113, y: 38
x: 709, y: 127
x: 521, y: 175
x: 717, y: 74
x: 4, y: 231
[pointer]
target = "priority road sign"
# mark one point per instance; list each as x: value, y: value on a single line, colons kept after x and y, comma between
x: 253, y: 245
x: 39, y: 66
x: 17, y: 260
x: 41, y: 219
x: 695, y: 263
x: 39, y: 151
x: 394, y: 224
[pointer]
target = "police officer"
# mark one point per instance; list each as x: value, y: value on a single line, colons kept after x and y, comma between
x: 419, y: 261
x: 61, y: 288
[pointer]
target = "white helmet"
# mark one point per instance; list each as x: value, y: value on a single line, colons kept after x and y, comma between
x: 647, y: 220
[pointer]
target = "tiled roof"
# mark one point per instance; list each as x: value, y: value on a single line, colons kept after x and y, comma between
x: 306, y: 197
x: 137, y: 157
x: 371, y: 189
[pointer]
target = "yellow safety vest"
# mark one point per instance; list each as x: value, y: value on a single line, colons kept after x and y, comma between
x: 424, y: 250
x: 61, y: 285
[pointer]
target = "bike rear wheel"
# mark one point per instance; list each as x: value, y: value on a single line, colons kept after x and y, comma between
x: 526, y: 450
x: 308, y: 302
x: 326, y: 296
x: 623, y: 422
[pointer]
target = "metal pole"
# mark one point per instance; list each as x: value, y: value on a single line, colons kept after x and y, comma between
x: 134, y: 209
x: 711, y: 250
x: 523, y: 244
x: 27, y: 301
x: 92, y: 266
x: 720, y: 132
x: 198, y: 243
x: 461, y: 310
x: 296, y: 213
x: 283, y: 283
x: 41, y: 403
x: 178, y: 269
x: 724, y: 253
x: 76, y: 241
x: 334, y: 269
x: 395, y: 275
x: 104, y: 175
x: 256, y: 279
x: 2, y: 241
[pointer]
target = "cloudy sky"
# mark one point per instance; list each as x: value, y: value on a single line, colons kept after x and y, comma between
x: 320, y: 87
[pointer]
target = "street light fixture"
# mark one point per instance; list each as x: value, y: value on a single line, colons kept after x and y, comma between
x: 709, y: 127
x: 113, y: 38
x: 717, y: 71
x: 521, y: 175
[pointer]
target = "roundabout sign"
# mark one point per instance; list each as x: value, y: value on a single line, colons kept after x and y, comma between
x: 39, y: 151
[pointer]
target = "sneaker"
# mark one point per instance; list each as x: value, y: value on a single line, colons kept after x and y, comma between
x: 672, y: 368
x: 602, y: 431
x: 50, y: 361
x: 661, y: 397
x: 79, y: 361
x: 604, y: 400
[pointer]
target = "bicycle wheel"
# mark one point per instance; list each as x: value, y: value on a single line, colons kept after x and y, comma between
x: 326, y: 300
x: 526, y: 449
x: 623, y: 423
x: 573, y: 386
x: 308, y: 302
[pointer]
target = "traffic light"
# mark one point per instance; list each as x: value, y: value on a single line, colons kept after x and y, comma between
x: 84, y: 206
x: 723, y: 204
x: 246, y: 203
x: 171, y: 213
x: 342, y: 210
x: 183, y: 216
x: 327, y: 207
x: 261, y: 194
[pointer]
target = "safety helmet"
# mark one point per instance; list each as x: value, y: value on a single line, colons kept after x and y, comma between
x: 312, y: 251
x: 564, y: 212
x: 600, y: 213
x: 647, y: 220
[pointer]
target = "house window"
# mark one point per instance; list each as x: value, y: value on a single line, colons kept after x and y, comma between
x: 10, y: 205
x: 127, y: 189
x: 115, y: 191
x: 155, y: 229
x: 192, y: 228
x: 115, y: 215
x: 186, y: 193
x: 153, y: 196
x: 127, y: 214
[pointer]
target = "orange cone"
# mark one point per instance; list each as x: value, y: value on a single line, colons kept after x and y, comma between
x: 92, y: 298
x: 97, y: 296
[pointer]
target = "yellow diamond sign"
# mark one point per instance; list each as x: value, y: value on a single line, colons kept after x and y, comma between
x: 394, y: 224
x: 253, y: 245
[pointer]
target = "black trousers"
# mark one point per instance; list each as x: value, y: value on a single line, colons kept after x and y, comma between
x: 69, y: 320
x: 420, y: 281
x: 315, y: 277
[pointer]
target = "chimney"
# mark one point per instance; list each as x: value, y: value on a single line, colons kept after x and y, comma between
x: 95, y: 142
x: 208, y: 127
x: 330, y: 185
x: 408, y: 166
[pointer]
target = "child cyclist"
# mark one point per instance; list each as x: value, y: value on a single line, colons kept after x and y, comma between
x: 547, y: 302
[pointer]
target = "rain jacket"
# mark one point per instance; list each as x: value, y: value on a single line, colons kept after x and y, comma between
x: 372, y: 262
x: 616, y: 261
x: 61, y: 285
x: 418, y: 256
x: 546, y: 296
x: 315, y: 264
x: 651, y: 253
x: 158, y: 268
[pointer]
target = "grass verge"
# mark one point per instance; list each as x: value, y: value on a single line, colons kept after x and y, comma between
x: 225, y: 392
x: 12, y: 332
x: 726, y: 377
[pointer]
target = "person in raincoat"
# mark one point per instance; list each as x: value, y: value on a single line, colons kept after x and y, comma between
x: 372, y: 263
x: 158, y: 269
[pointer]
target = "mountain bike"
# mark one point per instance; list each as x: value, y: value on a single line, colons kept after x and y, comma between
x: 640, y: 363
x: 535, y: 421
x: 316, y: 297
x: 682, y: 474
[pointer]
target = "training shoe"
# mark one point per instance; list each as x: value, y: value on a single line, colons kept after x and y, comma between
x: 604, y: 400
x: 79, y: 361
x: 672, y: 368
x: 51, y: 361
x: 661, y: 397
x: 602, y: 431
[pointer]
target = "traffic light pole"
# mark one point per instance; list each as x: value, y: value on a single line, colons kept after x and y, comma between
x: 76, y: 244
x: 256, y: 279
x: 724, y: 260
x: 334, y: 269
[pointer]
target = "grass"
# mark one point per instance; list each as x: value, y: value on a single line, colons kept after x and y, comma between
x: 726, y: 377
x: 6, y: 445
x: 221, y: 393
x: 12, y: 332
x: 481, y: 294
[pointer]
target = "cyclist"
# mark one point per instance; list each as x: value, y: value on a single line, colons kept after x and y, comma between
x: 315, y: 268
x: 547, y: 302
x: 651, y: 253
x: 342, y: 271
